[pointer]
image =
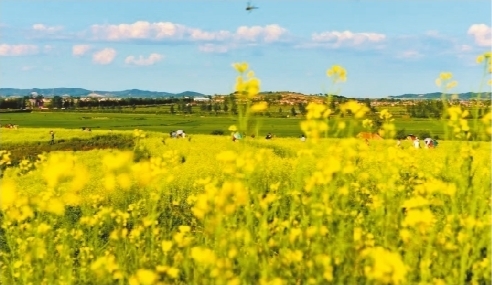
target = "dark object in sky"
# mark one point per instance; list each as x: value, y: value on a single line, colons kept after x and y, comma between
x: 250, y: 8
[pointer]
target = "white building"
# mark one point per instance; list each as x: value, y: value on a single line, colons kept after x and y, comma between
x: 201, y: 99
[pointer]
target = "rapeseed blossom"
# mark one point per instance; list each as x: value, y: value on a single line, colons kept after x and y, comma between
x: 271, y: 212
x: 338, y: 73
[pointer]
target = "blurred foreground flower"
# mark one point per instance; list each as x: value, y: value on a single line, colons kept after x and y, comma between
x: 338, y: 73
x: 258, y: 107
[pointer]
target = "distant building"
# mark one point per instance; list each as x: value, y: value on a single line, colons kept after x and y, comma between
x: 201, y: 99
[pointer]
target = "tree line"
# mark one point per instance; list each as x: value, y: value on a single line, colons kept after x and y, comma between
x: 418, y: 109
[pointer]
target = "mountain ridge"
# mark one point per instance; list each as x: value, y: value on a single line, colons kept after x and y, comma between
x: 438, y: 95
x: 82, y: 92
x: 139, y: 93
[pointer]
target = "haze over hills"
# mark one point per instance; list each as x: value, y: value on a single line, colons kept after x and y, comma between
x: 81, y: 92
x: 138, y: 93
x: 437, y: 95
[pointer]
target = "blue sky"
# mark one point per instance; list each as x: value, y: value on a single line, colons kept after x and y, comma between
x: 387, y: 47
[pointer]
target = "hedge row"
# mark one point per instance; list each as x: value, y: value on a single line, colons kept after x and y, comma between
x: 31, y: 150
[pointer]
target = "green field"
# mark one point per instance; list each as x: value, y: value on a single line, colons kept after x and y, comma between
x: 192, y: 124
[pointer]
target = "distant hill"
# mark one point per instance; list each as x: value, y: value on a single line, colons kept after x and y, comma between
x: 81, y: 92
x: 437, y: 95
x: 189, y: 94
x: 137, y: 93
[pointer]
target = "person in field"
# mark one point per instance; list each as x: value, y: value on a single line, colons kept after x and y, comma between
x: 52, y: 137
x: 416, y: 142
x: 303, y: 138
x: 269, y: 136
x: 398, y: 143
x: 434, y: 143
x: 428, y: 142
x: 236, y: 136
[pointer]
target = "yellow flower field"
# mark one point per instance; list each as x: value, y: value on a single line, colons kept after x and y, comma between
x: 207, y: 210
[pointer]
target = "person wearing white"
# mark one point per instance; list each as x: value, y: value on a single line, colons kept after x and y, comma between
x: 416, y: 143
x: 303, y: 138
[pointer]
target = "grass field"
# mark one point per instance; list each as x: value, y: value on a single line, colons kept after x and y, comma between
x: 192, y: 124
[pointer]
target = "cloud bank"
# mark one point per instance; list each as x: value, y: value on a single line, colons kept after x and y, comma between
x: 167, y: 31
x: 18, y: 50
x: 80, y: 50
x: 481, y: 34
x: 142, y: 61
x: 104, y: 56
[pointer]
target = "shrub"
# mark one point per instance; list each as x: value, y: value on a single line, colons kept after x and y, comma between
x: 217, y: 132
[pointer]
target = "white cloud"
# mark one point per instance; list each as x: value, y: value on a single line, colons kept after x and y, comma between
x: 433, y: 33
x: 481, y: 33
x: 142, y: 61
x: 212, y: 48
x: 18, y: 50
x: 199, y: 35
x: 27, y: 67
x: 465, y: 48
x: 80, y: 50
x: 410, y: 54
x: 140, y: 30
x: 337, y: 39
x: 104, y: 56
x: 268, y: 33
x: 159, y: 31
x: 46, y: 29
x: 48, y: 48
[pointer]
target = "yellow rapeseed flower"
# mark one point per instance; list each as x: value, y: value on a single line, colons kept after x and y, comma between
x: 445, y: 76
x: 240, y: 67
x: 438, y: 82
x: 338, y: 73
x: 203, y: 255
x: 451, y: 84
x: 367, y: 124
x: 146, y: 276
x: 258, y: 107
x: 56, y: 207
x: 173, y: 272
x: 124, y: 181
x: 166, y: 245
x: 227, y: 156
x: 480, y: 58
x: 357, y: 109
x: 387, y: 267
x: 252, y: 87
x: 184, y: 229
x: 8, y: 194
